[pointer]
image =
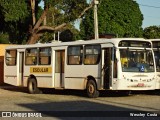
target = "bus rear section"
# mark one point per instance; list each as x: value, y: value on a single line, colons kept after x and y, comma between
x: 23, y: 63
x: 10, y: 67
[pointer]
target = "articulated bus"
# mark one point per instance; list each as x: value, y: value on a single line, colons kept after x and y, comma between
x: 93, y: 65
x: 156, y: 50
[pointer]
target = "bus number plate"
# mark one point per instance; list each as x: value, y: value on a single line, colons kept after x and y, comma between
x: 140, y: 84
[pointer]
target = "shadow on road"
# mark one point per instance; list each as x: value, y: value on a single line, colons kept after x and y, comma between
x: 13, y: 88
x: 82, y: 108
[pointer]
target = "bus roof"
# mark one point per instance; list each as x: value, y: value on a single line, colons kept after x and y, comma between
x: 154, y: 39
x: 155, y: 43
x: 114, y: 41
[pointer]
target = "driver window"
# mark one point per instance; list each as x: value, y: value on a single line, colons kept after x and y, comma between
x: 124, y: 59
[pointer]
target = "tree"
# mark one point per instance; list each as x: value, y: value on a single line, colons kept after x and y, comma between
x: 4, y: 38
x: 55, y: 17
x: 20, y: 17
x: 122, y: 17
x: 15, y: 19
x: 152, y: 32
x: 69, y: 9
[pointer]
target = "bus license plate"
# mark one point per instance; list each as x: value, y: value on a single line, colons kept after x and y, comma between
x: 140, y: 84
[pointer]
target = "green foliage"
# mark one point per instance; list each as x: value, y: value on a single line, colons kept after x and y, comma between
x: 4, y: 38
x: 63, y: 12
x: 122, y: 17
x: 54, y: 17
x: 15, y: 17
x: 73, y: 8
x: 70, y: 9
x: 66, y: 35
x: 70, y: 34
x: 47, y: 37
x: 15, y: 10
x: 152, y: 32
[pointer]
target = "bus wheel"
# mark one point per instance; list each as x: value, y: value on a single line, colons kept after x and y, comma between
x: 92, y: 91
x: 32, y: 86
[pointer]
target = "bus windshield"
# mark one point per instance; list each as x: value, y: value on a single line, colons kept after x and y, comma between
x: 136, y: 60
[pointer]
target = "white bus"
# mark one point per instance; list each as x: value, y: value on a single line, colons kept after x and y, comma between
x: 93, y: 65
x: 156, y: 50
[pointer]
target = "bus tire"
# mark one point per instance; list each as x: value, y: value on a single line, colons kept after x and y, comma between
x: 91, y: 88
x: 32, y: 86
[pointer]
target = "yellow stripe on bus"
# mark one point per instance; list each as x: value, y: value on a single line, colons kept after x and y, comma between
x: 41, y: 70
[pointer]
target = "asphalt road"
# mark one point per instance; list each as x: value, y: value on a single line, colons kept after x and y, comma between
x: 68, y: 104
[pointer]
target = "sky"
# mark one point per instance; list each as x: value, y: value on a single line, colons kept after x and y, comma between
x: 151, y: 12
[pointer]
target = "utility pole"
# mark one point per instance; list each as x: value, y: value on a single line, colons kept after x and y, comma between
x: 96, y: 19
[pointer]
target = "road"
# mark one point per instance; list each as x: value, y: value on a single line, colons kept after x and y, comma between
x: 62, y: 104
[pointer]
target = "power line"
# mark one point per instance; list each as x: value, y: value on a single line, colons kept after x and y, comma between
x: 149, y: 6
x: 152, y: 17
x: 153, y: 1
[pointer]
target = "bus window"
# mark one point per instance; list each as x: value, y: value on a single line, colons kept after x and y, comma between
x: 11, y: 57
x: 75, y: 55
x: 124, y: 59
x: 44, y: 56
x: 31, y: 56
x: 92, y: 54
x: 157, y: 60
x: 136, y: 60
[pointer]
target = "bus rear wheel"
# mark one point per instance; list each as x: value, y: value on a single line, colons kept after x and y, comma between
x: 92, y: 91
x: 32, y: 86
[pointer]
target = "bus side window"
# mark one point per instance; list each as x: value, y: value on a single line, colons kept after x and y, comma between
x: 45, y: 56
x: 92, y: 54
x: 31, y: 56
x: 75, y: 55
x: 11, y: 56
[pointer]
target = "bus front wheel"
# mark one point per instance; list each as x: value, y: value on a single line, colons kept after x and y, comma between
x: 32, y: 86
x: 92, y: 91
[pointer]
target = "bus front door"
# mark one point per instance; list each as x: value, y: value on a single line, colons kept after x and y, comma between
x: 59, y: 68
x: 21, y: 68
x: 107, y: 68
